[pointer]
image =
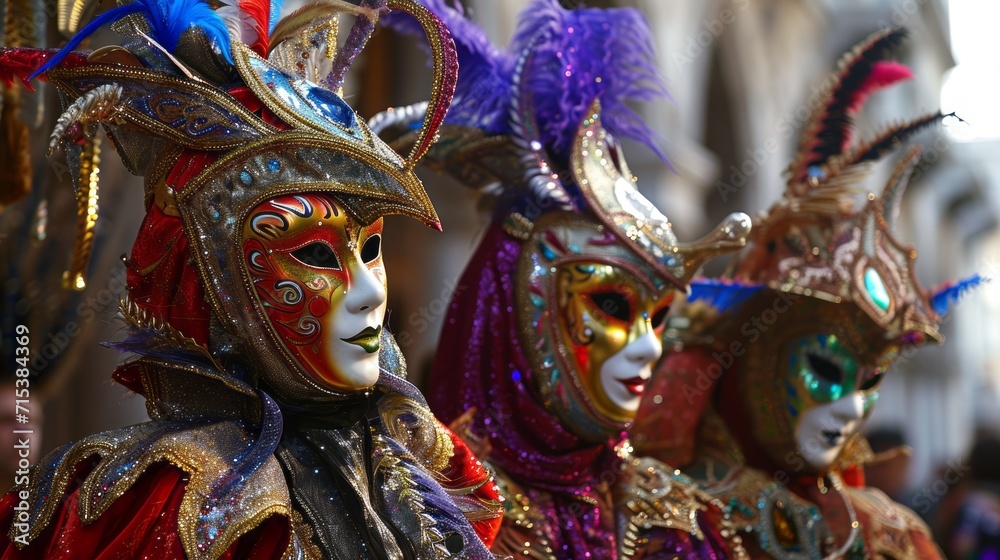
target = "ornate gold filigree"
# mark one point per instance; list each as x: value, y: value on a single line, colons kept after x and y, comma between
x: 86, y: 214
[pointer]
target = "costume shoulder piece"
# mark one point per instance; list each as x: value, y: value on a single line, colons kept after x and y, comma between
x: 656, y: 503
x: 205, y: 453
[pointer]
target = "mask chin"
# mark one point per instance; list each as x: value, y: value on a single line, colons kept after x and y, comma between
x: 624, y: 383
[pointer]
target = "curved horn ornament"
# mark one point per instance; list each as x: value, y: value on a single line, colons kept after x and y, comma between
x: 610, y: 190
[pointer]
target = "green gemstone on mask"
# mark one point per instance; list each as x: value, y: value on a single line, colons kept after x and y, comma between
x: 876, y: 289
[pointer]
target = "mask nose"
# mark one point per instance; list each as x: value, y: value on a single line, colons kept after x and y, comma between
x: 365, y: 291
x: 644, y: 350
x: 850, y: 408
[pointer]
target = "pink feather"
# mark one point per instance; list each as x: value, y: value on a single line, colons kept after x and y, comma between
x: 883, y: 74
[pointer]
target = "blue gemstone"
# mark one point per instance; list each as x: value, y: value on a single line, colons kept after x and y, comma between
x: 331, y: 106
x: 274, y: 165
x: 246, y: 177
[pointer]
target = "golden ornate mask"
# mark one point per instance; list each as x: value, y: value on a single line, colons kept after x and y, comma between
x: 610, y: 321
x: 320, y: 279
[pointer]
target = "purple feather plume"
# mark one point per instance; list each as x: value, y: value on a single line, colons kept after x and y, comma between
x: 589, y: 53
x: 482, y: 95
x: 583, y: 54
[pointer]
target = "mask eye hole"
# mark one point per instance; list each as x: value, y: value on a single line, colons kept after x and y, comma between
x: 613, y: 304
x: 371, y: 249
x: 318, y: 255
x: 614, y: 150
x: 874, y: 380
x: 825, y: 369
x: 660, y: 317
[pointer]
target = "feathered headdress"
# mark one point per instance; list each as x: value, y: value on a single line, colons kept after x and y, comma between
x: 178, y: 81
x: 563, y: 59
x: 215, y: 125
x: 813, y: 242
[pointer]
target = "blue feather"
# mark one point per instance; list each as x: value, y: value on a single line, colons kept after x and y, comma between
x: 167, y: 19
x: 171, y: 18
x: 722, y: 295
x: 949, y: 294
x: 275, y: 13
x: 107, y: 17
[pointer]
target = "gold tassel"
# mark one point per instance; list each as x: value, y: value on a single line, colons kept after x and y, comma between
x: 72, y: 13
x: 86, y: 215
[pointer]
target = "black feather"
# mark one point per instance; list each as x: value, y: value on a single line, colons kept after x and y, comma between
x: 892, y: 138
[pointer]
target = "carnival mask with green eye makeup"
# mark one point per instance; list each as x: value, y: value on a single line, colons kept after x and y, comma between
x: 810, y: 380
x: 830, y: 392
x: 320, y: 278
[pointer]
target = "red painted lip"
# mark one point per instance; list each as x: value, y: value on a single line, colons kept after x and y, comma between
x: 635, y: 385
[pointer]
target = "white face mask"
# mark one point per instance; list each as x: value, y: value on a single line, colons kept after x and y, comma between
x: 823, y: 431
x: 320, y: 278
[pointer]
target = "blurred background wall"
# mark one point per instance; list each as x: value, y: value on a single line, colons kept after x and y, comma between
x: 741, y: 74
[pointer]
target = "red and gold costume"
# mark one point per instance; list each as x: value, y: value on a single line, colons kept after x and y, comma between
x: 282, y: 423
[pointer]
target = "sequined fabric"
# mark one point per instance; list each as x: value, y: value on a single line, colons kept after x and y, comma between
x: 481, y: 364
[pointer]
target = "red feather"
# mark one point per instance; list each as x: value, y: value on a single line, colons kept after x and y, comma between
x: 260, y: 12
x: 884, y: 74
x: 17, y: 63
